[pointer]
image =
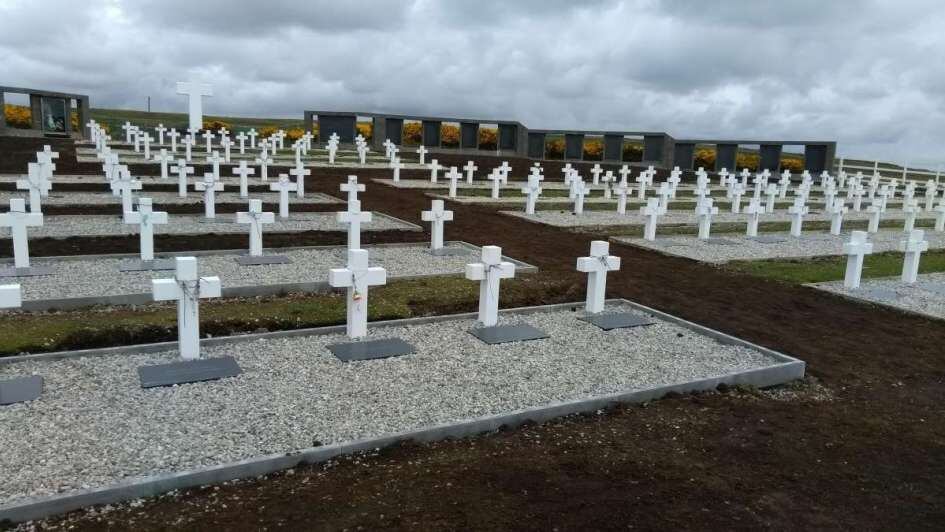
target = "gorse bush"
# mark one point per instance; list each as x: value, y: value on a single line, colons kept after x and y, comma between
x: 267, y: 131
x: 633, y: 153
x: 704, y: 157
x: 593, y: 149
x: 488, y: 138
x: 554, y: 149
x: 18, y: 116
x: 413, y: 133
x: 294, y: 134
x: 794, y: 164
x: 449, y: 136
x: 216, y: 125
x: 365, y: 129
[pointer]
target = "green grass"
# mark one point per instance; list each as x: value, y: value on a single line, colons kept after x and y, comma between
x: 114, y: 118
x: 822, y: 269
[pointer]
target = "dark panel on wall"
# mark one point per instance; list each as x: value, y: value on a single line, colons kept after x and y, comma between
x: 431, y: 134
x: 770, y: 157
x: 653, y: 148
x: 507, y: 137
x: 573, y: 146
x: 683, y: 155
x: 815, y: 158
x: 726, y: 156
x: 468, y: 135
x: 343, y: 125
x: 536, y: 145
x: 613, y: 147
x: 395, y: 130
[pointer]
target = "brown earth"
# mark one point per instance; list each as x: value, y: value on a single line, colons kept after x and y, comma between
x: 861, y: 444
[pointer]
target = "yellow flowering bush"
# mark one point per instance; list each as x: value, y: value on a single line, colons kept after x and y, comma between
x: 216, y: 125
x: 413, y: 133
x: 18, y: 116
x: 267, y: 131
x: 554, y: 148
x: 593, y: 149
x: 294, y: 134
x: 633, y: 153
x: 449, y: 136
x: 365, y: 129
x: 488, y: 138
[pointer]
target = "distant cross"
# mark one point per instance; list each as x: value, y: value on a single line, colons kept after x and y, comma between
x: 242, y: 140
x: 912, y: 247
x: 596, y: 267
x: 17, y: 219
x: 784, y: 184
x: 454, y: 176
x: 931, y: 192
x: 36, y: 184
x: 195, y: 93
x: 770, y: 194
x: 187, y: 289
x: 596, y: 171
x: 641, y: 181
x: 704, y: 211
x: 352, y: 187
x: 300, y: 172
x: 163, y: 158
x: 214, y: 159
x: 651, y: 211
x: 434, y: 170
x: 856, y: 250
x: 188, y: 144
x: 173, y: 134
x: 208, y: 136
x: 754, y: 211
x: 437, y: 216
x: 423, y: 153
x: 397, y: 166
x: 622, y: 190
x: 356, y: 278
x: 875, y: 215
x: 496, y: 179
x: 146, y: 219
x: 489, y: 272
x: 146, y: 137
x: 263, y: 161
x: 244, y: 171
x: 532, y: 191
x: 362, y: 153
x: 797, y: 211
x: 911, y: 210
x: 504, y: 170
x: 160, y: 131
x: 580, y: 190
x: 624, y: 172
x: 252, y: 138
x: 209, y: 186
x: 226, y: 143
x: 125, y: 187
x: 836, y: 209
x: 283, y: 187
x: 182, y: 170
x: 470, y: 169
x: 255, y: 218
x: 353, y: 218
x: 128, y: 130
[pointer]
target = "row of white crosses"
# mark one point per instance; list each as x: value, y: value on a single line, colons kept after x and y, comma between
x: 859, y: 246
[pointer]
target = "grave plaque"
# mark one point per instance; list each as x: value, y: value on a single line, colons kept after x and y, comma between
x: 618, y: 320
x: 371, y: 349
x: 31, y: 271
x: 147, y: 265
x: 768, y: 239
x: 261, y: 260
x: 449, y: 252
x: 20, y: 389
x: 188, y: 371
x: 881, y: 294
x: 500, y: 334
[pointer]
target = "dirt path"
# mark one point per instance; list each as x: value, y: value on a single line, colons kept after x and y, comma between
x: 865, y: 450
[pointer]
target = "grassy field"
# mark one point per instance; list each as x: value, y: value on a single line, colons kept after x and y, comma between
x: 114, y: 118
x: 822, y: 269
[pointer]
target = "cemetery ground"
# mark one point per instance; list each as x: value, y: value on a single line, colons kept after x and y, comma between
x: 856, y: 444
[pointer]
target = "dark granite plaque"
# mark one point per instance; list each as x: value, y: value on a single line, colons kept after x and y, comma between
x: 501, y: 334
x: 618, y: 320
x: 147, y: 265
x: 371, y: 349
x: 32, y: 271
x: 261, y: 260
x: 188, y: 371
x: 20, y: 389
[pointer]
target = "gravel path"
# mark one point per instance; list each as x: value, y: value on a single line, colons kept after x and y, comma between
x: 728, y: 247
x: 926, y: 296
x: 94, y: 425
x: 101, y: 277
x: 66, y: 226
x: 165, y: 198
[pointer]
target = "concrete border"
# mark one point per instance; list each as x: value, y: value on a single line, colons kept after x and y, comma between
x: 784, y: 370
x: 146, y: 298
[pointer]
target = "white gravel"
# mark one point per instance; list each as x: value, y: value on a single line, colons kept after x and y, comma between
x: 94, y: 425
x: 926, y: 296
x: 166, y: 198
x: 744, y: 248
x: 101, y: 277
x: 178, y: 224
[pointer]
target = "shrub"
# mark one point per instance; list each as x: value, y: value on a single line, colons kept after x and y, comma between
x: 216, y: 125
x: 365, y: 129
x: 794, y: 164
x: 554, y: 149
x: 633, y: 153
x: 449, y: 136
x: 488, y: 138
x: 18, y: 116
x: 413, y: 133
x: 747, y: 160
x: 593, y: 150
x: 704, y: 157
x: 267, y: 131
x: 294, y: 134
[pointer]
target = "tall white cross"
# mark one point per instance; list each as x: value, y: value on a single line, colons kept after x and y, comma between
x: 255, y: 218
x: 252, y: 137
x: 283, y: 187
x: 423, y: 153
x: 146, y: 219
x: 36, y: 184
x: 353, y: 218
x: 580, y: 190
x: 454, y: 176
x: 128, y: 130
x: 496, y: 179
x: 182, y: 170
x: 397, y: 166
x: 754, y: 211
x: 434, y: 170
x: 652, y: 212
x: 911, y: 209
x: 596, y: 171
x: 264, y: 161
x: 195, y: 93
x: 163, y: 158
x: 596, y: 266
x: 244, y: 171
x: 912, y: 247
x: 146, y: 137
x: 208, y: 136
x: 173, y: 134
x: 209, y: 186
x: 836, y: 209
x: 622, y: 190
x: 437, y: 217
x: 356, y: 278
x: 242, y: 140
x: 18, y: 220
x: 470, y: 169
x: 797, y: 211
x: 532, y: 191
x: 352, y: 187
x: 705, y: 210
x: 489, y: 272
x: 226, y: 143
x: 855, y: 250
x: 875, y: 214
x: 187, y: 289
x: 125, y: 186
x: 188, y: 145
x: 300, y: 172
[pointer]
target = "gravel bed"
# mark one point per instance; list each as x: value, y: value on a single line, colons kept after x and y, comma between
x: 94, y: 425
x: 611, y: 218
x: 926, y: 296
x: 741, y: 247
x: 65, y: 226
x: 166, y: 198
x: 480, y: 182
x: 101, y: 277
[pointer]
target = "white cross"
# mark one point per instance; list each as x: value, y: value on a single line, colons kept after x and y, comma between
x: 264, y: 162
x: 624, y: 172
x: 356, y: 279
x: 911, y: 209
x: 397, y: 166
x: 242, y: 140
x: 454, y: 176
x: 209, y: 186
x: 673, y: 180
x: 128, y: 130
x: 160, y: 131
x: 596, y: 266
x: 18, y: 220
x: 652, y: 212
x: 215, y: 161
x: 642, y: 181
x: 532, y: 191
x: 182, y: 171
x: 283, y: 187
x: 770, y: 193
x: 856, y: 192
x: 837, y: 208
x: 208, y: 136
x: 36, y: 183
x: 146, y: 219
x: 436, y: 216
x: 784, y: 184
x: 188, y: 144
x: 754, y: 211
x: 146, y: 137
x: 255, y: 218
x: 352, y: 187
x: 187, y: 289
x: 504, y: 170
x: 855, y: 250
x: 423, y: 153
x: 931, y: 192
x: 362, y: 153
x: 226, y: 143
x: 496, y: 179
x: 11, y: 296
x: 705, y: 210
x: 300, y: 172
x: 353, y: 218
x: 940, y: 216
x: 434, y: 169
x: 252, y: 138
x: 332, y: 148
x: 797, y: 211
x: 607, y: 179
x: 738, y: 190
x: 195, y: 93
x: 163, y: 158
x: 489, y: 272
x: 470, y: 168
x: 875, y: 213
x: 244, y: 171
x: 173, y: 134
x: 125, y: 186
x: 596, y: 171
x: 580, y: 190
x: 913, y: 247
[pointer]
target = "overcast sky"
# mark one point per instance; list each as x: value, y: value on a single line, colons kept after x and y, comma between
x: 869, y: 74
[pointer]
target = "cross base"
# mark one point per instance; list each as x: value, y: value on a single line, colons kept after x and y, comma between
x: 147, y: 265
x: 617, y: 320
x: 371, y: 349
x: 188, y: 371
x: 247, y: 260
x: 32, y: 271
x: 20, y: 389
x: 501, y: 334
x: 448, y: 252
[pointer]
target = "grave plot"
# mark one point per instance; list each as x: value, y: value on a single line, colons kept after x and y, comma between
x: 68, y: 226
x: 731, y: 247
x: 95, y: 425
x: 78, y: 281
x: 925, y: 296
x: 169, y: 198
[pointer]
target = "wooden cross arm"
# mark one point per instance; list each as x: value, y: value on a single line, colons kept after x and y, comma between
x: 210, y: 287
x: 165, y: 289
x: 339, y: 277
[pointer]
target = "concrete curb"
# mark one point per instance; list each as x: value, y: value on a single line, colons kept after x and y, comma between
x: 784, y: 370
